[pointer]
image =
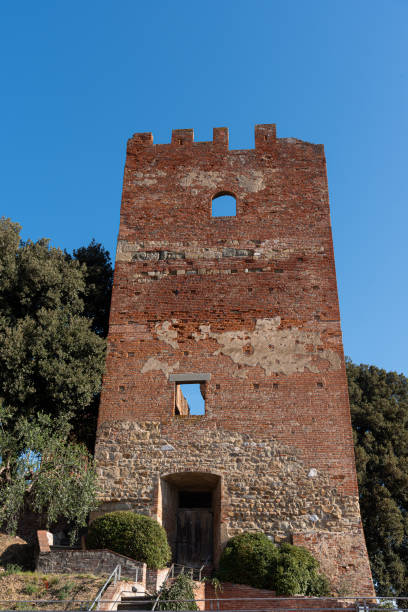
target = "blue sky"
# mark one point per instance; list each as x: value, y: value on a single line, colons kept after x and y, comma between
x: 79, y: 77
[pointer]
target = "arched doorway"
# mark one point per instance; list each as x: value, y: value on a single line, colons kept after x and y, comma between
x: 191, y: 509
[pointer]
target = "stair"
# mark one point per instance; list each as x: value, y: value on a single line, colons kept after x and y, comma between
x: 135, y: 602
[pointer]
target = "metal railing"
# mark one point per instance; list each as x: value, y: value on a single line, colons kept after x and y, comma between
x: 232, y: 604
x: 272, y: 604
x: 168, y: 576
x: 114, y: 577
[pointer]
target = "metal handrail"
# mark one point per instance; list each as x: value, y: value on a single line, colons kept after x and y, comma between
x: 115, y: 576
x: 170, y: 574
x: 360, y: 603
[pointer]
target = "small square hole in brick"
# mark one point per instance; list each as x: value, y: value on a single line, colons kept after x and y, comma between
x: 218, y: 386
x: 320, y: 384
x: 256, y: 386
x: 275, y: 385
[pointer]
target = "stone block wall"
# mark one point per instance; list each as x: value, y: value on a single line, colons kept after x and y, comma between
x: 59, y: 560
x: 248, y: 305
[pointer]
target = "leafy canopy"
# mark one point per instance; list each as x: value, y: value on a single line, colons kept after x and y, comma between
x: 40, y: 467
x: 98, y: 285
x: 379, y: 411
x: 51, y: 364
x: 50, y: 359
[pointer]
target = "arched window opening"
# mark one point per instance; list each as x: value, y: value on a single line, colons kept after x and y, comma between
x: 224, y: 205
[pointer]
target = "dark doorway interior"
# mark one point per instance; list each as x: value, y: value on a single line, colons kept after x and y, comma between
x: 191, y: 516
x: 195, y: 499
x: 194, y: 539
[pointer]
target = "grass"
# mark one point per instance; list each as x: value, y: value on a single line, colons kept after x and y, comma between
x: 12, y: 568
x: 20, y: 590
x: 65, y: 590
x: 31, y: 589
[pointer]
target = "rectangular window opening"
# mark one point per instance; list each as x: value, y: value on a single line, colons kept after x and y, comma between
x: 190, y: 399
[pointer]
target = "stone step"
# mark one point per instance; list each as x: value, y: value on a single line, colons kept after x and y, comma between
x: 135, y: 603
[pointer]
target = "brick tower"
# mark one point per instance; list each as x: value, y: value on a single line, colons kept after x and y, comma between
x: 245, y: 307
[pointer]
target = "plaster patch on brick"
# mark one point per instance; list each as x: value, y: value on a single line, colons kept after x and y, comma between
x: 275, y: 350
x: 253, y: 182
x: 166, y: 333
x: 199, y: 177
x: 155, y: 364
x: 147, y: 179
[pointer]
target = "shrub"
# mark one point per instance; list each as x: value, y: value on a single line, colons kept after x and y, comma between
x: 248, y: 558
x: 133, y: 535
x: 319, y: 586
x: 179, y: 595
x: 295, y: 573
x: 251, y: 558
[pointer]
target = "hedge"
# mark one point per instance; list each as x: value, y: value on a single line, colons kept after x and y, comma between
x: 133, y: 535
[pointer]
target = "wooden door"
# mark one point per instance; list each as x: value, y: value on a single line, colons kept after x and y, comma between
x: 194, y: 542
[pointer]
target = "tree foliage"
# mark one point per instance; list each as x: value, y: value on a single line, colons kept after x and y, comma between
x: 50, y: 359
x: 379, y: 410
x: 41, y: 469
x: 98, y: 285
x: 51, y: 364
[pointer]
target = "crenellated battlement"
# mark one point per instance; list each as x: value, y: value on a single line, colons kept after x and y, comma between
x: 265, y: 138
x: 183, y: 141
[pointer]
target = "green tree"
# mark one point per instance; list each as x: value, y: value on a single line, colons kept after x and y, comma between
x: 50, y: 359
x: 51, y: 364
x: 379, y: 410
x: 42, y: 470
x: 98, y: 284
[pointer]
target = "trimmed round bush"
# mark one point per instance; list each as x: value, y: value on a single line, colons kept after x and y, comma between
x: 248, y: 558
x: 251, y: 558
x: 295, y: 573
x: 133, y: 535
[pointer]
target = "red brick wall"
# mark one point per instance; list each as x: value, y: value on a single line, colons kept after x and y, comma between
x: 166, y: 205
x: 261, y: 599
